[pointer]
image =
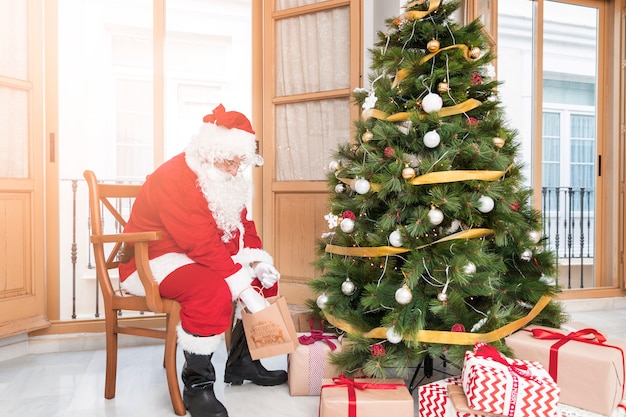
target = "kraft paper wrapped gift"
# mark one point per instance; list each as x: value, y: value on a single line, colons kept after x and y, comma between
x: 310, y: 362
x: 302, y: 320
x: 365, y: 397
x: 588, y: 368
x: 496, y: 384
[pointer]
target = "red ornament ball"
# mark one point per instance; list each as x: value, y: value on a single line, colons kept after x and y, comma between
x: 378, y: 350
x: 458, y: 327
x: 348, y: 215
x: 389, y: 152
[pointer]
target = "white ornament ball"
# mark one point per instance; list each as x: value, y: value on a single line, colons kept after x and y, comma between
x: 340, y: 188
x: 395, y: 238
x: 333, y: 166
x: 367, y: 136
x: 485, y: 204
x: 535, y: 236
x: 435, y: 216
x: 432, y: 103
x: 454, y: 226
x: 404, y: 295
x: 432, y: 139
x: 322, y: 300
x: 470, y: 268
x: 527, y: 255
x: 362, y: 186
x: 347, y: 287
x: 347, y: 225
x: 442, y: 296
x: 393, y: 336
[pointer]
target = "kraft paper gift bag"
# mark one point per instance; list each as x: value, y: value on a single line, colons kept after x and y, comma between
x: 270, y: 332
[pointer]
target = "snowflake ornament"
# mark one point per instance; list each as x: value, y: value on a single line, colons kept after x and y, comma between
x: 332, y: 219
x: 370, y: 101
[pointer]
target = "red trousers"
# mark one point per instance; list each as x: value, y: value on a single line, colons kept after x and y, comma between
x: 205, y: 299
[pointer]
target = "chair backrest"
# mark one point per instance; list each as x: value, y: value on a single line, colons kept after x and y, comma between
x: 108, y: 203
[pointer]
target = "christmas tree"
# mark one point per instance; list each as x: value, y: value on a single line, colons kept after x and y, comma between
x: 434, y: 243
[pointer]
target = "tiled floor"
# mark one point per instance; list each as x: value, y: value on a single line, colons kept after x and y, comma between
x: 70, y: 384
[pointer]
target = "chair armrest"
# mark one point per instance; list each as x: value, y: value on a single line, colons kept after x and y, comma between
x: 153, y: 296
x: 127, y: 237
x: 140, y: 242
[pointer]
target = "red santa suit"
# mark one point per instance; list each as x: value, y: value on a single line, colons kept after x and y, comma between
x: 196, y: 256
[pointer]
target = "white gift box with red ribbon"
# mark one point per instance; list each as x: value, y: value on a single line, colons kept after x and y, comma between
x: 310, y: 362
x: 496, y: 384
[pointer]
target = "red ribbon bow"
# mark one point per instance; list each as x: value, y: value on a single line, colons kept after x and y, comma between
x: 487, y: 351
x: 317, y: 335
x: 587, y: 335
x: 352, y: 385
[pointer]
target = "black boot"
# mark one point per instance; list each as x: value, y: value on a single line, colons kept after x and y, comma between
x: 240, y: 366
x: 198, y: 375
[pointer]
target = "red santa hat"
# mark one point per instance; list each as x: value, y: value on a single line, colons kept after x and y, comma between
x: 224, y: 135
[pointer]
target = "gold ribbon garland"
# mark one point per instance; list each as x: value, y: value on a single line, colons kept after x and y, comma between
x: 401, y: 74
x: 416, y: 14
x: 442, y: 177
x: 463, y: 107
x: 443, y: 337
x: 377, y: 251
x: 458, y: 175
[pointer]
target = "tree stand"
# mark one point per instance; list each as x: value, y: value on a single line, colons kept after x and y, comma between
x: 428, y: 364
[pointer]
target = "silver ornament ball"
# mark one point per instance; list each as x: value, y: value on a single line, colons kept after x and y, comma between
x: 404, y: 295
x: 322, y: 300
x: 347, y: 287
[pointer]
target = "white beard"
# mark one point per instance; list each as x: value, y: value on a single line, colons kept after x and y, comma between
x: 226, y: 196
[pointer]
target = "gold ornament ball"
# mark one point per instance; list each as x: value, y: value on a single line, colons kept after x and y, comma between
x: 443, y: 87
x: 408, y: 173
x: 367, y: 136
x: 498, y: 142
x: 474, y: 52
x: 433, y: 45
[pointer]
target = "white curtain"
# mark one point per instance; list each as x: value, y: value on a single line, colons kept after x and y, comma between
x: 312, y: 55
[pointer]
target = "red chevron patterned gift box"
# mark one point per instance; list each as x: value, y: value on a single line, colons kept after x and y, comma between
x: 510, y: 387
x: 311, y: 362
x: 433, y: 399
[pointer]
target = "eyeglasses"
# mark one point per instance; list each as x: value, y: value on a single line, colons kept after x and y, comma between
x: 233, y: 164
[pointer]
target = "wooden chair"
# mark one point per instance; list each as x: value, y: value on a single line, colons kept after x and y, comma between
x: 107, y: 196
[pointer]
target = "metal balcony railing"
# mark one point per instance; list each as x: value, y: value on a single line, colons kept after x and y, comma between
x: 569, y: 225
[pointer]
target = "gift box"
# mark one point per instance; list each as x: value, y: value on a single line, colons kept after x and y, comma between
x: 588, y: 368
x: 310, y: 362
x: 433, y: 399
x: 301, y: 317
x: 495, y: 384
x: 365, y: 397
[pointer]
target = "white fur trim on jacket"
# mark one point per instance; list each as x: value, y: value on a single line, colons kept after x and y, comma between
x: 246, y: 256
x: 161, y: 267
x: 197, y: 344
x: 238, y: 282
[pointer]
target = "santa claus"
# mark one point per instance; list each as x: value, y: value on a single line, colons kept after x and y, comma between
x: 210, y: 254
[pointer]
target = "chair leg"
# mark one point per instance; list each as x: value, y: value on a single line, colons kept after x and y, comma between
x: 111, y: 354
x: 169, y: 360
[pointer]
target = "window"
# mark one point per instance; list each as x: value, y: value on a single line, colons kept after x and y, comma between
x: 552, y: 97
x: 135, y: 79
